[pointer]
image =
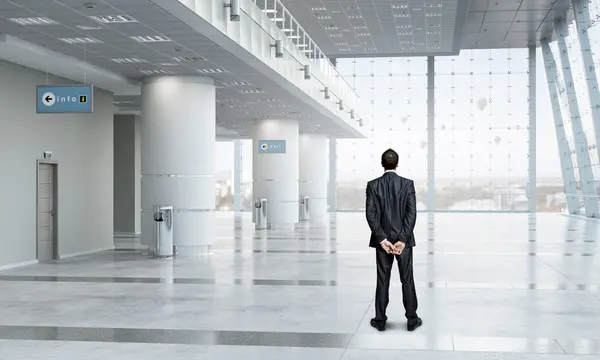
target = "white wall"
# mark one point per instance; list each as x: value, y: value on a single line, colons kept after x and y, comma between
x: 83, y: 146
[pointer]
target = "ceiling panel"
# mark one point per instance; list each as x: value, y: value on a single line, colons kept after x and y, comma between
x: 401, y: 27
x: 359, y: 27
x: 243, y: 94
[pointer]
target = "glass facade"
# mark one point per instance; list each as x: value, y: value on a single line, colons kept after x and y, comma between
x: 481, y: 131
x: 394, y: 93
x: 482, y: 120
x: 482, y: 125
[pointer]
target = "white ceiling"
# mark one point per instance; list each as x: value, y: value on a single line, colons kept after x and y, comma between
x: 381, y: 28
x: 243, y: 93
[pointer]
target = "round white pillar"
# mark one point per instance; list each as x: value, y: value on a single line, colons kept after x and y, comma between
x: 314, y: 164
x: 178, y: 158
x: 275, y: 174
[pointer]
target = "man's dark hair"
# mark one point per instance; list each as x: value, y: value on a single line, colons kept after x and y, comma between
x: 389, y: 159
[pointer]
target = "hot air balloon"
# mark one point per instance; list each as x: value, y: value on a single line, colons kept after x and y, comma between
x: 443, y: 127
x: 423, y: 144
x: 404, y: 119
x: 481, y: 104
x: 497, y: 140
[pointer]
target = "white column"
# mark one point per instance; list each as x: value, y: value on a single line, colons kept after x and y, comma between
x: 430, y: 133
x: 275, y: 175
x: 178, y: 155
x: 313, y: 175
x: 332, y: 188
x: 532, y: 187
x: 237, y: 175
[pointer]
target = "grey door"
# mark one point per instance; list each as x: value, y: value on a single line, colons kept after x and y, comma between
x: 46, y: 213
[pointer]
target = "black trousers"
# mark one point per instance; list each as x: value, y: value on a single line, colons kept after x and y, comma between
x: 382, y: 294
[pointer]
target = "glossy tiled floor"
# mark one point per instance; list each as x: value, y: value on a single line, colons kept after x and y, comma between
x: 490, y: 286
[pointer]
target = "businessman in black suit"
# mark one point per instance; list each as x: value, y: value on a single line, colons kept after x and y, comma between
x: 391, y: 212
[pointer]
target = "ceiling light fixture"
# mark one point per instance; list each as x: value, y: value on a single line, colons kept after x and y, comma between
x: 89, y: 27
x: 234, y: 10
x: 127, y: 60
x: 154, y: 72
x: 81, y: 40
x: 236, y: 83
x: 113, y: 19
x: 33, y: 21
x: 189, y: 58
x: 150, y: 39
x: 278, y: 46
x: 211, y: 71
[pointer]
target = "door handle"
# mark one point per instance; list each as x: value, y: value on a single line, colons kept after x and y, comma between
x: 51, y: 212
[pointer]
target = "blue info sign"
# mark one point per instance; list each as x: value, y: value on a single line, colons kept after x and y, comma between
x: 61, y: 99
x: 271, y: 146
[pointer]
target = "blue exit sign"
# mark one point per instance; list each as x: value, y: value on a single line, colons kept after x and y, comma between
x: 61, y: 99
x: 271, y: 146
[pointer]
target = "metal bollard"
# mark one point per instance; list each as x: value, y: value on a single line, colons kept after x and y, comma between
x: 260, y: 215
x: 304, y: 209
x: 163, y: 231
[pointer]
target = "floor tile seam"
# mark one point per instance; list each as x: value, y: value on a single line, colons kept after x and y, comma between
x: 595, y: 296
x: 560, y: 346
x: 358, y: 326
x: 304, y: 283
x: 249, y: 344
x: 452, y: 336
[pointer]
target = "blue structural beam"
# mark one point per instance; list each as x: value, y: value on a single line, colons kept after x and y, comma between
x: 566, y: 163
x: 583, y: 23
x: 586, y: 176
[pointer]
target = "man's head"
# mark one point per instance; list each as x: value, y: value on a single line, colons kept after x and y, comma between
x: 389, y: 160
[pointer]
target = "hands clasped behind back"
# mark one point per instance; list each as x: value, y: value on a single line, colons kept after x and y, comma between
x: 394, y: 249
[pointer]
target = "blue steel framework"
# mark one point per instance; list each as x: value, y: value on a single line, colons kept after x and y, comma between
x: 579, y: 152
x: 565, y: 153
x: 574, y: 151
x: 581, y: 143
x: 583, y: 22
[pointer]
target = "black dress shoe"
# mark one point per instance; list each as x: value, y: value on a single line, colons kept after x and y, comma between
x: 414, y: 325
x: 378, y: 325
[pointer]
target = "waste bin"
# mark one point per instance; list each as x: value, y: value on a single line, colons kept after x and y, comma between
x: 304, y: 213
x: 260, y: 214
x: 163, y: 231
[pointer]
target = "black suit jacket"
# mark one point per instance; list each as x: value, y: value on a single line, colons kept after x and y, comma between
x: 391, y: 209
